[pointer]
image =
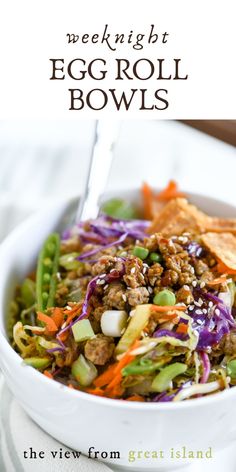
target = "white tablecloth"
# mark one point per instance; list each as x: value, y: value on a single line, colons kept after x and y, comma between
x: 18, y: 433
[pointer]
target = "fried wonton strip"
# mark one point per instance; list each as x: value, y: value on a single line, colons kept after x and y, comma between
x: 178, y: 216
x: 154, y: 202
x: 221, y: 225
x: 223, y: 246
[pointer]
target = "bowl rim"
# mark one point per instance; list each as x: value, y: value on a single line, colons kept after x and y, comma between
x: 9, y: 352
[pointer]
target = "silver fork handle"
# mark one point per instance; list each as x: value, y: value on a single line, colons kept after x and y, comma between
x: 106, y: 133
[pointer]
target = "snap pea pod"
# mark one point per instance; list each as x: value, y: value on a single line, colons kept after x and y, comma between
x: 46, y: 276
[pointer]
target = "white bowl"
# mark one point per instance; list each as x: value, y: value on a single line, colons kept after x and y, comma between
x: 80, y: 420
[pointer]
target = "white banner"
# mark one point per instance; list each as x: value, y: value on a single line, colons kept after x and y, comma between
x: 154, y: 59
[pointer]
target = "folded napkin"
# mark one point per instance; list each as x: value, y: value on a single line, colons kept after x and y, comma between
x: 18, y: 433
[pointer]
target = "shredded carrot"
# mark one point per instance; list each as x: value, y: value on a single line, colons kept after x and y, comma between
x: 73, y: 308
x: 63, y: 336
x: 182, y: 328
x: 171, y: 191
x: 147, y: 200
x: 116, y: 391
x: 49, y: 322
x: 71, y: 317
x: 163, y: 309
x: 57, y: 316
x: 105, y: 377
x: 168, y: 317
x: 48, y: 374
x: 135, y: 398
x: 95, y: 391
x: 75, y: 312
x: 222, y: 269
x: 126, y: 359
x: 218, y: 280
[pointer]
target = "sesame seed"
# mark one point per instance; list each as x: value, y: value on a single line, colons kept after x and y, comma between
x: 105, y: 287
x: 191, y: 308
x: 197, y: 303
x: 200, y: 322
x: 183, y: 239
x: 202, y: 284
x: 192, y: 270
x: 100, y: 282
x: 112, y: 270
x: 144, y: 270
x: 132, y: 270
x: 124, y: 297
x: 204, y: 311
x: 194, y: 283
x: 68, y: 307
x: 210, y: 304
x: 217, y: 311
x: 150, y: 289
x: 199, y: 312
x: 186, y: 287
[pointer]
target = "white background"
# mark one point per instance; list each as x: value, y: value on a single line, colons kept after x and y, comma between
x: 43, y: 161
x: 201, y: 32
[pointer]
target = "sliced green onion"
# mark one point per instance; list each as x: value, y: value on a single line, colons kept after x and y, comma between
x: 140, y: 252
x: 146, y: 361
x: 120, y: 209
x: 155, y: 257
x: 38, y: 362
x: 135, y: 368
x: 69, y: 261
x: 162, y: 381
x: 28, y: 292
x: 84, y: 371
x: 82, y: 330
x: 165, y: 298
x: 231, y: 369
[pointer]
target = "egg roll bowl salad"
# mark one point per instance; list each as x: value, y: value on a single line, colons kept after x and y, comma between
x: 136, y: 306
